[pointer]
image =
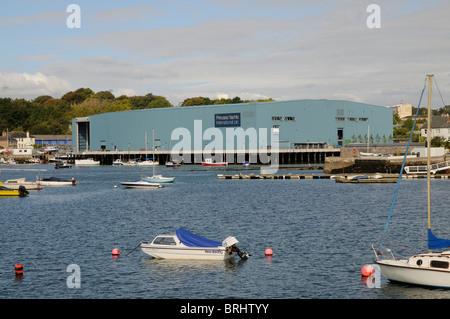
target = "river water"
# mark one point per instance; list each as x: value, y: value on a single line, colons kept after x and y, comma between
x: 320, y: 232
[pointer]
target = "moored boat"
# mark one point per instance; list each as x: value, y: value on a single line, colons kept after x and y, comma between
x: 55, y: 181
x: 173, y: 163
x: 18, y: 182
x: 141, y: 183
x: 86, y: 162
x: 21, y: 191
x: 188, y: 246
x: 148, y: 162
x: 431, y: 269
x: 62, y: 164
x: 117, y: 162
x: 210, y: 162
x: 158, y: 179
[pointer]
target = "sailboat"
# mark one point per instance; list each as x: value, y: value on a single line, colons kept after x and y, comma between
x: 157, y: 178
x: 147, y: 161
x: 431, y: 269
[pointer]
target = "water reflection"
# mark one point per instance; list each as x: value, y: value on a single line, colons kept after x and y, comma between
x: 395, y: 290
x: 165, y: 266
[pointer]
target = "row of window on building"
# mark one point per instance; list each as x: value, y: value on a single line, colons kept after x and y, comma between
x: 338, y: 119
x: 352, y: 119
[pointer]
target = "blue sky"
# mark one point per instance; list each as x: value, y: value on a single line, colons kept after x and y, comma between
x: 285, y: 49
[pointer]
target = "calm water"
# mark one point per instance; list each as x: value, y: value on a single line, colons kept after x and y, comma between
x: 320, y: 232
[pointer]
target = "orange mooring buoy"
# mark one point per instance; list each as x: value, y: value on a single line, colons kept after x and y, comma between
x: 116, y: 252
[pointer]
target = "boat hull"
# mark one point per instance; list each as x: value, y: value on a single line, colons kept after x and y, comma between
x: 16, y: 183
x: 214, y: 164
x: 148, y: 163
x: 86, y: 162
x: 159, y: 179
x: 187, y: 253
x: 141, y: 185
x: 21, y: 192
x: 56, y: 182
x: 402, y: 271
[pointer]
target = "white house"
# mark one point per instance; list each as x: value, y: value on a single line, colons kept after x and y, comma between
x: 25, y: 142
x: 439, y: 127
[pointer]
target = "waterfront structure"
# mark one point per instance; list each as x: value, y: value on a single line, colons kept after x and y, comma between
x: 296, y: 125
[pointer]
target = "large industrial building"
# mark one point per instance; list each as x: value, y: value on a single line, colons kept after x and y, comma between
x: 298, y: 124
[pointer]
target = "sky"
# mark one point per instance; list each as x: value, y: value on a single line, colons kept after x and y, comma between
x: 254, y: 49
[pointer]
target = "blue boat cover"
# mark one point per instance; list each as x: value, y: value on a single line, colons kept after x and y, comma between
x: 434, y: 242
x: 191, y: 240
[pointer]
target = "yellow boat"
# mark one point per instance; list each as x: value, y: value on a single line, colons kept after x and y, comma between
x: 21, y: 192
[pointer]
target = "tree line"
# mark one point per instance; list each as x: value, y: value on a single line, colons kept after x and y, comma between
x: 48, y: 115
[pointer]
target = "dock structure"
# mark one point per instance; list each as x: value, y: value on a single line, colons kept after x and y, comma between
x: 382, y: 178
x: 305, y: 156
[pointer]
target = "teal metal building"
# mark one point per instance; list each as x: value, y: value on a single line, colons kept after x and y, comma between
x: 296, y: 124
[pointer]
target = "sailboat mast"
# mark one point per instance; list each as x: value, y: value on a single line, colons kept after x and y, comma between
x: 428, y: 151
x: 153, y: 137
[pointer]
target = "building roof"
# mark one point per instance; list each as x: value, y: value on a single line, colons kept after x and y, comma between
x: 437, y: 122
x: 52, y: 137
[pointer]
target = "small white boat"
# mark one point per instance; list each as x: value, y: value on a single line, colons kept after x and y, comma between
x: 141, y: 183
x: 148, y: 163
x: 117, y: 162
x: 34, y: 160
x: 158, y: 179
x: 188, y: 246
x: 55, y: 181
x: 173, y: 164
x: 17, y: 182
x: 246, y: 164
x: 210, y: 162
x: 129, y: 163
x: 86, y: 162
x: 62, y: 164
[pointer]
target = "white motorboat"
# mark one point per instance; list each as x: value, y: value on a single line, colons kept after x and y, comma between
x: 141, y: 183
x: 62, y: 164
x: 17, y: 182
x: 188, y: 246
x: 148, y: 163
x: 173, y: 163
x: 86, y: 162
x: 117, y: 162
x: 129, y: 163
x: 431, y: 269
x: 55, y: 181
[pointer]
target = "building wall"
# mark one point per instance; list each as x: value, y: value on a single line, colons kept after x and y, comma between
x: 299, y: 122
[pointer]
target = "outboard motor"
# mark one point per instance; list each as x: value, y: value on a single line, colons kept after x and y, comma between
x: 23, y: 191
x: 240, y: 253
x: 231, y: 241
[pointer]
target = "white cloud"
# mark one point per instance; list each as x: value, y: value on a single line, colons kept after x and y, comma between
x: 331, y: 54
x: 25, y: 85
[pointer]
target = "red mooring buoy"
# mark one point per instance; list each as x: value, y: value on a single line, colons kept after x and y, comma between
x: 116, y: 252
x: 367, y: 270
x: 268, y: 252
x: 18, y: 269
